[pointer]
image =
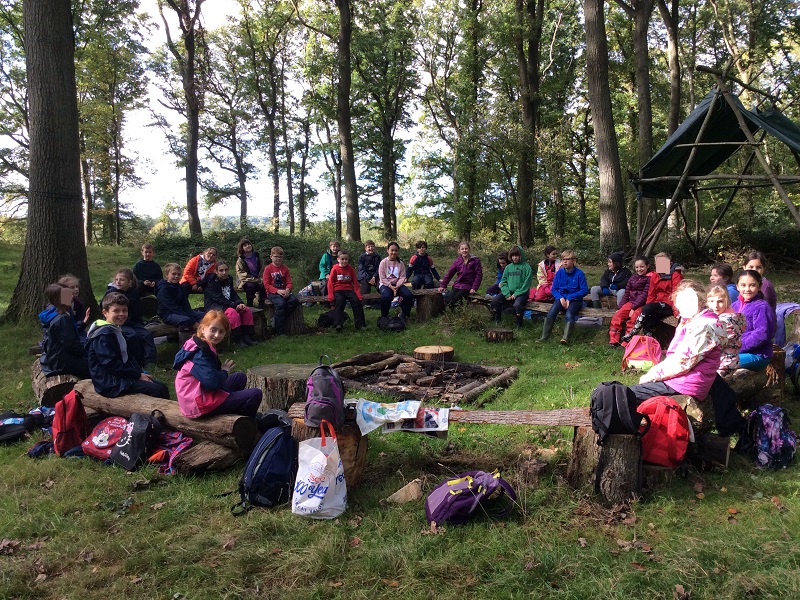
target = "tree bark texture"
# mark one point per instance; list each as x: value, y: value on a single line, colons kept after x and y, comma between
x: 282, y: 385
x: 54, y: 240
x: 613, y: 221
x: 353, y: 231
x: 620, y: 471
x: 49, y: 390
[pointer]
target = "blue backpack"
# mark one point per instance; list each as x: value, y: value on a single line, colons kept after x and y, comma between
x: 268, y: 477
x: 455, y: 500
x: 773, y: 441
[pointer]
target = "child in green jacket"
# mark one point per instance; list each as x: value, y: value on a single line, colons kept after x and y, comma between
x: 514, y: 286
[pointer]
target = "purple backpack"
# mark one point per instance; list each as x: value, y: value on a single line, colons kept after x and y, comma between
x: 455, y: 500
x: 324, y: 396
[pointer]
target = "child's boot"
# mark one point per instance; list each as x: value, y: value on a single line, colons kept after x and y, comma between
x: 519, y: 321
x: 249, y: 335
x: 547, y: 328
x: 236, y: 336
x: 497, y: 317
x: 637, y: 327
x: 614, y: 336
x: 567, y: 331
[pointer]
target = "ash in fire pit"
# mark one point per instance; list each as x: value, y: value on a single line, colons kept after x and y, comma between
x: 406, y: 376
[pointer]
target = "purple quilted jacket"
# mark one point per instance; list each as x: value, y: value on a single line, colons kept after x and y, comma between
x: 636, y: 290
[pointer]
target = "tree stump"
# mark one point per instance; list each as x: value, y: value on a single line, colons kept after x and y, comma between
x: 49, y: 390
x: 442, y: 353
x: 701, y: 414
x: 499, y: 335
x: 282, y: 385
x: 429, y: 306
x: 352, y: 445
x: 259, y: 323
x: 295, y: 324
x: 621, y: 458
x: 204, y: 456
x: 747, y: 384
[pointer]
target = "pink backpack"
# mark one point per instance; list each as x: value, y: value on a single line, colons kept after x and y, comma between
x: 642, y: 352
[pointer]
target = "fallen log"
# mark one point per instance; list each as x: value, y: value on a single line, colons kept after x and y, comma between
x: 232, y: 431
x: 350, y: 371
x: 50, y: 389
x: 205, y: 456
x: 366, y: 358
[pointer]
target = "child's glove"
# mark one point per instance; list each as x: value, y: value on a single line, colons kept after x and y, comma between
x: 606, y: 292
x: 613, y: 287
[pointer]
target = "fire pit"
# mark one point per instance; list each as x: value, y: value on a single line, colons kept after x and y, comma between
x: 405, y: 376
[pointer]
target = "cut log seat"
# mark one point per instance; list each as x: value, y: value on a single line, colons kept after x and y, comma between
x: 205, y: 456
x: 281, y: 385
x: 232, y: 431
x: 50, y: 389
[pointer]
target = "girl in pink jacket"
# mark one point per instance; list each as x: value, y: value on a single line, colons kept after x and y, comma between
x: 204, y: 385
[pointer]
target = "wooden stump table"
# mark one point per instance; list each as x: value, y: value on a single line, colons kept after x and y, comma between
x: 430, y: 304
x: 442, y: 353
x: 282, y: 385
x: 619, y: 480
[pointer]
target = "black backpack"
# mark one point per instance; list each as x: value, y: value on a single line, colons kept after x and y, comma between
x: 324, y: 396
x: 14, y: 426
x: 613, y: 410
x: 326, y: 319
x: 269, y: 474
x: 391, y: 323
x: 139, y: 439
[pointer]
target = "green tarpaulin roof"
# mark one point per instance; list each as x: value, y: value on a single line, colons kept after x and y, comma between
x: 670, y: 160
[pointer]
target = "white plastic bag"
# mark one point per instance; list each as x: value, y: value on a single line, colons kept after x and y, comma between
x: 320, y: 491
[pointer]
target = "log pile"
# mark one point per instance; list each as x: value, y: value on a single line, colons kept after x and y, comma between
x: 219, y: 441
x: 406, y: 376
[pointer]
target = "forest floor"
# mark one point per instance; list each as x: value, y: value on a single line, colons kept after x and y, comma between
x: 78, y: 529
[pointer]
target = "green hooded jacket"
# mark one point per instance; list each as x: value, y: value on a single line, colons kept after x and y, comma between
x: 517, y: 278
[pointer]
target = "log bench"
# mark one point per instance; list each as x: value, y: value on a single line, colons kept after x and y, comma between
x: 219, y: 441
x: 50, y: 389
x: 429, y: 303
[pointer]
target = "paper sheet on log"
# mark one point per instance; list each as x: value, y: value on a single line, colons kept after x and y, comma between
x: 371, y: 415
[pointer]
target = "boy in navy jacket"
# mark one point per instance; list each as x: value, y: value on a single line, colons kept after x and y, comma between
x: 569, y: 288
x: 114, y: 371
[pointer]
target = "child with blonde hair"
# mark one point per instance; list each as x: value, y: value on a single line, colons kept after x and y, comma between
x: 719, y: 303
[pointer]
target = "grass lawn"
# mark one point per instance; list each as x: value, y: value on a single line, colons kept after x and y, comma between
x: 78, y: 530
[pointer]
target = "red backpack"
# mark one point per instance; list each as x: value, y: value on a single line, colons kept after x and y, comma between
x: 666, y: 441
x: 103, y: 437
x: 70, y: 425
x: 642, y: 352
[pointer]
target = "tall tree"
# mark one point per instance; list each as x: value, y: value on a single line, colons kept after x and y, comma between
x: 190, y: 60
x: 613, y: 222
x: 54, y: 241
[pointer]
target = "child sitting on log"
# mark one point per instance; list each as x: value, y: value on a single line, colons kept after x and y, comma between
x: 343, y: 288
x: 204, y: 385
x: 63, y: 352
x: 514, y: 286
x: 756, y: 351
x: 173, y: 301
x: 612, y: 281
x: 722, y: 274
x: 692, y: 359
x: 663, y: 283
x: 502, y: 263
x: 755, y: 261
x: 421, y: 272
x: 633, y: 299
x: 220, y: 295
x: 278, y: 283
x: 720, y: 303
x: 545, y: 272
x: 468, y: 274
x: 569, y: 288
x: 147, y: 271
x: 113, y: 369
x: 140, y: 341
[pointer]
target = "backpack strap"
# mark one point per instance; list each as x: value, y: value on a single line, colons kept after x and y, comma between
x: 624, y: 411
x: 672, y: 430
x: 323, y: 356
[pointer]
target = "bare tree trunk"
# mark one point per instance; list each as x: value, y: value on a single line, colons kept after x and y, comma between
x: 343, y: 119
x: 387, y: 183
x: 301, y: 194
x: 613, y: 221
x: 670, y: 17
x: 54, y: 238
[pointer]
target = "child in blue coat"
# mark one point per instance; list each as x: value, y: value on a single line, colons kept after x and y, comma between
x: 569, y: 288
x: 63, y: 352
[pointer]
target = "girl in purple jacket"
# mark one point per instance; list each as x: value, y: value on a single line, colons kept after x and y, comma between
x: 635, y: 297
x: 468, y: 275
x: 756, y: 349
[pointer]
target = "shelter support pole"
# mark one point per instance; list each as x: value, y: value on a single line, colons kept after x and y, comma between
x: 686, y: 170
x: 764, y: 164
x: 728, y: 202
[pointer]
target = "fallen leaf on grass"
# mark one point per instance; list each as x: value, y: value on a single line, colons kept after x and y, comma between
x: 391, y: 582
x: 434, y: 530
x: 9, y: 546
x: 700, y: 496
x: 569, y: 365
x: 582, y: 542
x: 34, y: 546
x: 530, y: 565
x: 86, y: 556
x: 135, y: 580
x: 356, y: 521
x: 778, y: 504
x: 629, y: 520
x: 724, y: 490
x: 733, y: 511
x: 47, y: 484
x: 275, y: 551
x: 335, y: 584
x: 40, y: 577
x: 638, y: 566
x: 698, y: 486
x: 679, y: 593
x: 158, y: 505
x: 356, y: 541
x: 229, y: 544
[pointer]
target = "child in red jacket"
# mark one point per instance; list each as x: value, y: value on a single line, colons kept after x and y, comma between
x: 343, y: 288
x: 278, y: 283
x: 663, y: 283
